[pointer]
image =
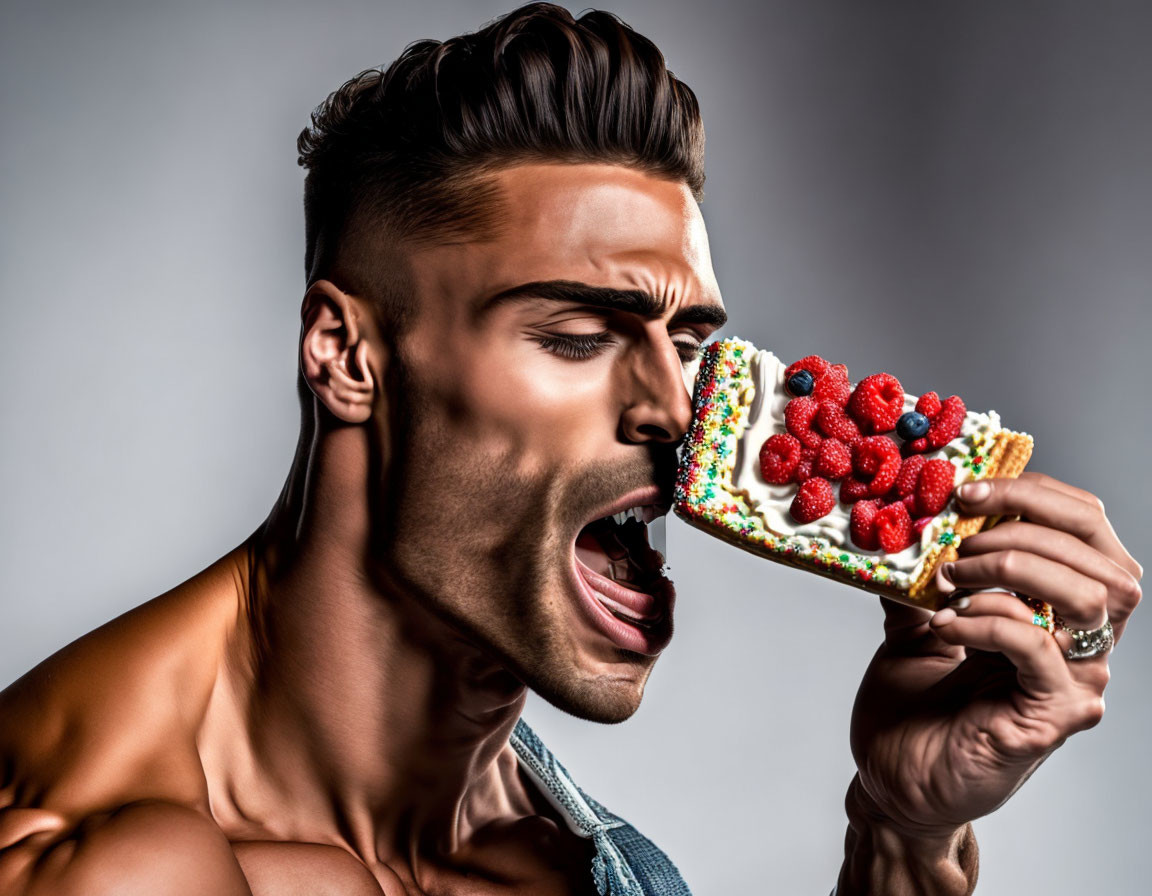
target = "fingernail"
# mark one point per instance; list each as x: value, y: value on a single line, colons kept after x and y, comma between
x: 960, y: 603
x: 944, y: 578
x: 975, y: 491
x: 943, y: 617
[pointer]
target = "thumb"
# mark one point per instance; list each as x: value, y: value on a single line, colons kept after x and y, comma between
x: 906, y: 629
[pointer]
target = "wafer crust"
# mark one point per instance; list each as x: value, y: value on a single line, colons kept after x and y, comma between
x: 706, y: 498
x: 1006, y: 460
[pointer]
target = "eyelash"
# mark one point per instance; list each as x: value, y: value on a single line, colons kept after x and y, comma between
x: 584, y: 346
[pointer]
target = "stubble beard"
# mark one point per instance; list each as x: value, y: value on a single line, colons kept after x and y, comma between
x: 487, y: 550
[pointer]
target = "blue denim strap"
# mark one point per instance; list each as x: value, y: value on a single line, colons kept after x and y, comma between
x: 610, y: 870
x: 621, y: 850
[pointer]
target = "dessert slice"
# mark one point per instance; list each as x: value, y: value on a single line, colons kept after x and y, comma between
x: 851, y: 481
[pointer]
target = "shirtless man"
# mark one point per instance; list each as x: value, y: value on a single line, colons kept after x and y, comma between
x: 507, y: 275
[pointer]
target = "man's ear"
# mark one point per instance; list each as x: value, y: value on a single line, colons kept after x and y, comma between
x: 334, y: 351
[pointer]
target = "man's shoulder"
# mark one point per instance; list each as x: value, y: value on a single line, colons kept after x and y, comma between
x: 111, y: 718
x: 101, y: 785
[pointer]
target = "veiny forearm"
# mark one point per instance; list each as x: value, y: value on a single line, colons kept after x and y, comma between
x: 880, y: 860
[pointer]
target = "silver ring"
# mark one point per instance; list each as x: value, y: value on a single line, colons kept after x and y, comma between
x: 1089, y: 643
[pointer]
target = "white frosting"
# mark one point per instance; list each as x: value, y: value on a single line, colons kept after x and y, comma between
x: 772, y: 502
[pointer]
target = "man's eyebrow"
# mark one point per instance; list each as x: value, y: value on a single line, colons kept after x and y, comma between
x: 634, y: 301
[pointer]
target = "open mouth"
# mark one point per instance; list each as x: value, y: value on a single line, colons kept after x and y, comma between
x: 622, y: 575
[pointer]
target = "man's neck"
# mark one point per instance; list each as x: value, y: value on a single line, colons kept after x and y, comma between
x: 364, y: 713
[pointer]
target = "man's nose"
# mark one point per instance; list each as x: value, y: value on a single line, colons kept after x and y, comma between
x: 660, y: 406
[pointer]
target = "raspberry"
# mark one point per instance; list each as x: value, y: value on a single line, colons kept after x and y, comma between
x: 933, y: 487
x: 946, y: 425
x: 834, y: 460
x: 833, y: 387
x: 798, y: 416
x: 813, y: 500
x: 878, y: 458
x: 877, y: 403
x: 835, y: 423
x: 804, y: 470
x: 893, y: 528
x: 906, y: 478
x: 853, y: 489
x: 862, y: 524
x: 814, y: 364
x: 779, y: 456
x: 947, y: 418
x: 928, y: 404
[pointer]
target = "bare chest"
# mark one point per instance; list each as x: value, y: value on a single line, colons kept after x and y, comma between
x: 526, y: 867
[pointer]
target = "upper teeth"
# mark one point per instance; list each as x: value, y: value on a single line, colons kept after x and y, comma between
x: 643, y: 514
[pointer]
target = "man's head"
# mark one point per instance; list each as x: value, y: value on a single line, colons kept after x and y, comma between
x: 400, y: 155
x: 512, y: 218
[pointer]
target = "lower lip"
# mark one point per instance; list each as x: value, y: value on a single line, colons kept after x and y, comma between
x: 646, y: 641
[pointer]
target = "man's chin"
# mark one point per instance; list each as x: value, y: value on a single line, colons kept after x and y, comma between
x: 604, y: 700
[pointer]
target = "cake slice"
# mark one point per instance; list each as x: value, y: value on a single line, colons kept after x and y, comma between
x: 795, y: 463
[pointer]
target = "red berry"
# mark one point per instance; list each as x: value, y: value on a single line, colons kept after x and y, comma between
x: 779, y: 456
x: 804, y: 470
x: 834, y: 460
x: 853, y: 489
x: 877, y: 403
x: 893, y: 528
x: 928, y: 404
x: 798, y: 416
x: 946, y: 424
x: 813, y: 500
x: 814, y: 364
x: 909, y: 471
x: 835, y: 423
x: 833, y: 387
x: 918, y: 525
x: 934, y: 487
x: 862, y: 524
x: 878, y: 458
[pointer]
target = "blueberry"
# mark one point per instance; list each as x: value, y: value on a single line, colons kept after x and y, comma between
x: 911, y: 426
x: 800, y: 383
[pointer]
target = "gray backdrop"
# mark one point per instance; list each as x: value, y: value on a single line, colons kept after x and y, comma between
x: 958, y: 192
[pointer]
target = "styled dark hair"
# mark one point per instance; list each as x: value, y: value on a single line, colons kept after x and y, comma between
x: 403, y: 151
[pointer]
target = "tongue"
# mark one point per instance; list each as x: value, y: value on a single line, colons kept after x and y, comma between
x: 601, y: 551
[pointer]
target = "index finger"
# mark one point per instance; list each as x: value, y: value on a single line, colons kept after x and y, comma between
x: 1033, y: 498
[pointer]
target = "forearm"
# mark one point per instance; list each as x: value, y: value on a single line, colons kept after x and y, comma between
x: 881, y: 860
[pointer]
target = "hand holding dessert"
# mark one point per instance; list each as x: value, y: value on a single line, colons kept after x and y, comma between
x: 958, y: 708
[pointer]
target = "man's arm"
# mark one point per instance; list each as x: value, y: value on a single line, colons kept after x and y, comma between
x: 878, y: 858
x: 146, y: 849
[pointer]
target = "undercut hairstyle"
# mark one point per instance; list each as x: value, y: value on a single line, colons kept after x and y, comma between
x: 399, y: 155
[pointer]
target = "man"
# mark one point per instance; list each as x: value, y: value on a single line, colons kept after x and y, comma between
x: 507, y: 275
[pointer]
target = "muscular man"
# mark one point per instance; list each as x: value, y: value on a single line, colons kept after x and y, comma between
x: 507, y: 276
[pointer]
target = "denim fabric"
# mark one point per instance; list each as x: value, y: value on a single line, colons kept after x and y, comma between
x: 626, y: 863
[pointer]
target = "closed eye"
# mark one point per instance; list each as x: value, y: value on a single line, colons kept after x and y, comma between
x: 575, y: 346
x: 687, y: 348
